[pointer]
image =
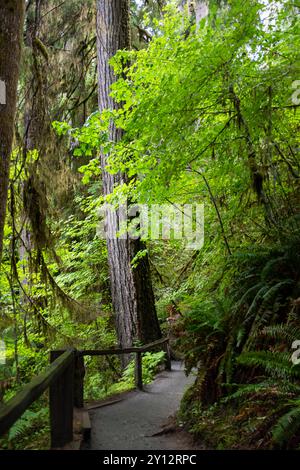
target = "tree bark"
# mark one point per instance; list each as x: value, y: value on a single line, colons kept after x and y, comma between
x: 11, y: 27
x: 198, y: 8
x: 36, y: 135
x: 132, y: 294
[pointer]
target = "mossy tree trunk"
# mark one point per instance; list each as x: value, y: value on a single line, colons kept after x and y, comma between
x: 11, y: 27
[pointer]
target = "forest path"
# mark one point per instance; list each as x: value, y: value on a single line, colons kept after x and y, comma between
x: 131, y: 423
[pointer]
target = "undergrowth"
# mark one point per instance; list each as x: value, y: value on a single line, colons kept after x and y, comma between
x: 247, y: 390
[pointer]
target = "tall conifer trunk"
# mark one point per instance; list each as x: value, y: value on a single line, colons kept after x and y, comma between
x: 132, y: 294
x: 11, y: 26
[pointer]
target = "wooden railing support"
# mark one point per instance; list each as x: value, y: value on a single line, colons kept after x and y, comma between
x: 79, y: 374
x: 61, y: 404
x: 168, y: 363
x: 138, y: 371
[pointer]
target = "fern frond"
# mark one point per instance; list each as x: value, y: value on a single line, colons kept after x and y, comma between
x: 270, y: 266
x: 276, y: 364
x: 256, y: 302
x: 250, y: 293
x: 282, y: 332
x: 265, y: 387
x: 287, y: 426
x: 25, y: 423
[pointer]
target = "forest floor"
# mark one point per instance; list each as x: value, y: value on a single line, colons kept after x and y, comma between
x: 144, y: 419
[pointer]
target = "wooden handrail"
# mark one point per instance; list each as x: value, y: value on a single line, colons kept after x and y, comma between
x: 15, y: 407
x: 133, y: 349
x: 138, y: 350
x: 65, y: 378
x: 154, y: 344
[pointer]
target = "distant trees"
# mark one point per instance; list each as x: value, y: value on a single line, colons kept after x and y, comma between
x: 11, y: 26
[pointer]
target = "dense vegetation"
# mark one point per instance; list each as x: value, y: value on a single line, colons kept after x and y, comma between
x: 209, y: 113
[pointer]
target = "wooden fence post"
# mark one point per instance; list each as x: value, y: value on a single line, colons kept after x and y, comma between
x: 79, y: 374
x: 138, y: 371
x: 61, y: 405
x: 168, y: 364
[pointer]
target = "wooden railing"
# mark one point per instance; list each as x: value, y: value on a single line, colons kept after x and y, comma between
x: 65, y: 379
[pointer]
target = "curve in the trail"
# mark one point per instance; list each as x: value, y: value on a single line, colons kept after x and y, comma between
x: 133, y: 422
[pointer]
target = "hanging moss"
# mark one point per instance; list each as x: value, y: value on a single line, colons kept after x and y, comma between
x: 35, y: 205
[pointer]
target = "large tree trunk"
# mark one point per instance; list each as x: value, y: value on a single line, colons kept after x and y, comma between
x: 36, y: 126
x: 11, y: 27
x: 35, y: 106
x: 198, y: 8
x: 132, y: 293
x: 34, y: 134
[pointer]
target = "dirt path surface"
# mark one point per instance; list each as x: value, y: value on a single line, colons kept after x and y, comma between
x: 132, y: 423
